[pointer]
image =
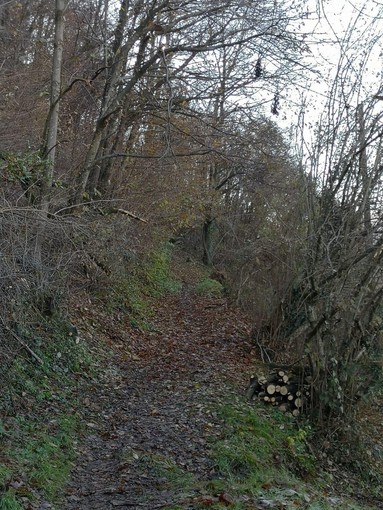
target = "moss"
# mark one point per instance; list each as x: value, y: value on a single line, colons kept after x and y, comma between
x: 158, y: 272
x: 36, y: 451
x: 209, y: 288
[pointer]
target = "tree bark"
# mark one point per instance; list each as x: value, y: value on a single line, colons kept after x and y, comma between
x: 3, y: 17
x: 208, y: 230
x: 51, y: 128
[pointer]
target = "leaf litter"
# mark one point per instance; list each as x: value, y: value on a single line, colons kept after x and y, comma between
x: 152, y: 421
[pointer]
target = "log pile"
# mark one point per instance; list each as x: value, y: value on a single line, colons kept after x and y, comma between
x: 287, y: 390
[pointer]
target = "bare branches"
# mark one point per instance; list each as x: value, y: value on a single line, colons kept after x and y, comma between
x: 343, y: 268
x: 128, y: 213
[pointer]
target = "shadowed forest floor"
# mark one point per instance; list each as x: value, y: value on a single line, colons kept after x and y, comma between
x: 153, y: 421
x: 161, y: 421
x: 156, y: 414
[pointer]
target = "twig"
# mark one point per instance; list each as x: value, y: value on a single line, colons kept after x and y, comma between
x: 131, y: 215
x: 24, y: 344
x: 26, y: 347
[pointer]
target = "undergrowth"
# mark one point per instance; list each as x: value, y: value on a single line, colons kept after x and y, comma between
x: 40, y: 413
x: 261, y: 460
x: 265, y: 455
x: 209, y: 288
x: 148, y: 279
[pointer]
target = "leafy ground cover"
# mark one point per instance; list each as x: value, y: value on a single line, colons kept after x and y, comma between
x: 160, y: 421
x: 40, y: 417
x: 176, y: 433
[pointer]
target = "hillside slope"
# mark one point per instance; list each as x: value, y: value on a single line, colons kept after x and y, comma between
x: 152, y: 414
x: 171, y: 429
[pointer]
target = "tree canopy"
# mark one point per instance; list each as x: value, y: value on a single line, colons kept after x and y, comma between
x: 250, y: 129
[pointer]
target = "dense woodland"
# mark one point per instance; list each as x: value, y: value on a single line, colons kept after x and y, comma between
x: 172, y: 115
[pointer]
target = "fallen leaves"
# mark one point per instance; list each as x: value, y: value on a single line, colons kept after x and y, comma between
x: 152, y: 416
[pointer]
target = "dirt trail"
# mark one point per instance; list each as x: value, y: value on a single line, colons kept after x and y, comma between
x: 157, y: 415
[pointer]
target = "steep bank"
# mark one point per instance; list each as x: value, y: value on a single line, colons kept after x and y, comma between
x: 161, y: 420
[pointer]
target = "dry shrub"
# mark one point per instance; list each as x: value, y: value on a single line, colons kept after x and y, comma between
x: 45, y: 262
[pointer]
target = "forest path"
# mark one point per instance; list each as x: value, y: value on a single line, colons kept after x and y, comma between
x: 152, y: 420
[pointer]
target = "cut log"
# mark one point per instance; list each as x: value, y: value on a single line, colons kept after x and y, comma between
x: 273, y: 378
x: 282, y: 388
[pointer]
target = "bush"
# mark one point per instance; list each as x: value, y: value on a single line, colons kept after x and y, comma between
x: 209, y: 288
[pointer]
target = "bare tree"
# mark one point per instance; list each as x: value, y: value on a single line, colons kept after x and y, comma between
x: 333, y: 309
x: 51, y: 128
x: 147, y: 34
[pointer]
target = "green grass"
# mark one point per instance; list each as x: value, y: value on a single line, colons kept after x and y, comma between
x: 209, y: 288
x: 46, y: 453
x: 9, y: 502
x: 4, y: 474
x: 264, y: 454
x: 171, y: 474
x: 167, y: 469
x: 41, y: 424
x: 41, y: 456
x: 260, y: 450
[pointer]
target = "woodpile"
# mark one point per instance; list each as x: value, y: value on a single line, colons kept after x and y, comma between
x: 289, y: 390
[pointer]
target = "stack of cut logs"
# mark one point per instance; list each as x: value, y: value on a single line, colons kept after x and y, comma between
x: 289, y: 391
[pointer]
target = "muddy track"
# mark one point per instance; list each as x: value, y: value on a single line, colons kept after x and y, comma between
x: 156, y: 416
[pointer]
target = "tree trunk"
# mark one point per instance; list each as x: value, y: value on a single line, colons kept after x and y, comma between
x: 110, y: 166
x: 207, y: 240
x: 115, y: 64
x: 83, y: 178
x: 366, y: 178
x: 51, y: 127
x: 3, y: 17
